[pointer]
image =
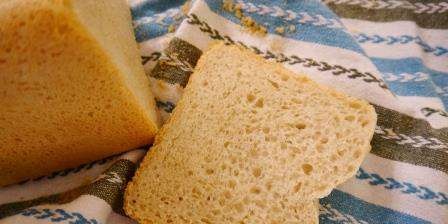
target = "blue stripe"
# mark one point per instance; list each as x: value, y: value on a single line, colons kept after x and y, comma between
x: 152, y: 30
x: 151, y: 7
x: 441, y: 80
x: 436, y: 85
x: 304, y: 32
x: 399, y: 186
x: 362, y: 210
x: 402, y: 39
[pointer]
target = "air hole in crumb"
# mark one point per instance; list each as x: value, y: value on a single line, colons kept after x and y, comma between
x: 338, y: 135
x: 350, y: 168
x: 335, y: 169
x: 232, y: 183
x: 324, y: 140
x: 253, y: 152
x: 333, y: 158
x: 296, y: 101
x: 300, y: 126
x: 297, y: 187
x: 364, y: 123
x: 322, y: 187
x: 357, y: 154
x: 341, y: 152
x: 274, y: 84
x: 205, y: 220
x: 250, y: 97
x: 283, y: 145
x: 256, y: 172
x: 227, y: 194
x: 266, y: 130
x: 259, y: 103
x: 226, y: 144
x: 255, y: 190
x: 205, y: 83
x: 284, y: 78
x: 190, y: 173
x: 319, y: 148
x: 350, y: 118
x: 307, y: 168
x: 209, y: 171
x: 268, y: 186
x: 355, y: 105
x: 336, y: 119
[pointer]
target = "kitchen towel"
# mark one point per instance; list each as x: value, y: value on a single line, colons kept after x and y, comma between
x: 393, y: 53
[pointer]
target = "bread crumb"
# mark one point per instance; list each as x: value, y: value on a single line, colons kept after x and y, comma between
x: 186, y: 7
x: 238, y: 13
x: 292, y: 28
x: 280, y: 30
x: 246, y: 21
x: 228, y: 5
x: 171, y: 28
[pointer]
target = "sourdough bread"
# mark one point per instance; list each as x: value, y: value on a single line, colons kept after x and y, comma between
x: 73, y: 89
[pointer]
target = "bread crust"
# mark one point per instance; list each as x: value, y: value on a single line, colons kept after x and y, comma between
x: 65, y: 99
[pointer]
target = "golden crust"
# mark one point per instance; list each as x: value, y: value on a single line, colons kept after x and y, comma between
x: 64, y: 100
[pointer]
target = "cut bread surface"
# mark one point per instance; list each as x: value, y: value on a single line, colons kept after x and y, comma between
x: 249, y: 141
x: 73, y: 87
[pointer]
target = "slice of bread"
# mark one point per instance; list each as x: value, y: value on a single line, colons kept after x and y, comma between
x: 249, y: 140
x: 73, y: 89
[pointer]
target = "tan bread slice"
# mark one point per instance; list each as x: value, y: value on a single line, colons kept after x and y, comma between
x: 73, y: 89
x: 249, y: 140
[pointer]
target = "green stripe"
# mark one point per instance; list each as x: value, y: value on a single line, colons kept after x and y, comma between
x: 406, y: 125
x: 424, y: 20
x: 178, y: 51
x: 110, y: 188
x: 15, y: 207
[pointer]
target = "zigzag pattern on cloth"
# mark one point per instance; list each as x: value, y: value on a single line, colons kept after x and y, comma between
x: 167, y: 106
x: 427, y: 111
x: 289, y: 15
x: 406, y: 77
x: 336, y: 70
x: 390, y: 183
x: 57, y: 216
x: 174, y: 61
x: 158, y: 18
x: 154, y: 56
x: 403, y: 39
x: 327, y: 213
x: 413, y: 141
x: 442, y: 90
x: 66, y: 172
x: 418, y: 7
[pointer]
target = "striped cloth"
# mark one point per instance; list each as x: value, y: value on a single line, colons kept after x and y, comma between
x: 393, y: 53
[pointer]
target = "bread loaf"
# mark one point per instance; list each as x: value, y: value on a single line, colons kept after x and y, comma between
x: 73, y: 89
x: 247, y: 143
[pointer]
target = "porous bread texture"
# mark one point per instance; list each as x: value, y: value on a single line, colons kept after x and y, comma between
x: 73, y: 89
x: 248, y: 142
